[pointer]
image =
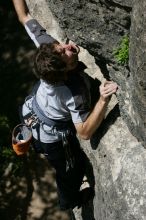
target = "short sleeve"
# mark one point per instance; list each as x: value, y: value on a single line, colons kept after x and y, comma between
x: 78, y: 109
x: 37, y: 33
x: 77, y: 102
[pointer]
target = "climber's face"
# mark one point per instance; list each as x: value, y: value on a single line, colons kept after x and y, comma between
x: 69, y: 53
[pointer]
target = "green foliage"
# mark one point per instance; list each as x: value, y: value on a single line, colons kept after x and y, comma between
x: 121, y: 53
x: 7, y: 155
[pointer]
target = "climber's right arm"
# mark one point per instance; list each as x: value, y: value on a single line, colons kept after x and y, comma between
x: 36, y: 32
x: 22, y: 11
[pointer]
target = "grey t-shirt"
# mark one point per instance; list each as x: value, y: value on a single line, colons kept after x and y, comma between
x: 62, y: 101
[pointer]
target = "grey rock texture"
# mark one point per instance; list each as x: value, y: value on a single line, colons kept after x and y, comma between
x: 121, y: 3
x: 137, y: 65
x: 96, y: 25
x: 119, y: 165
x: 116, y: 151
x: 99, y: 26
x: 119, y: 169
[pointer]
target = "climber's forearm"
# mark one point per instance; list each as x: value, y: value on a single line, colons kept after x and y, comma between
x: 87, y: 128
x: 22, y: 11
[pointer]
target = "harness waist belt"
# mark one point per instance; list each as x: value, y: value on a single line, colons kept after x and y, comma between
x: 48, y: 121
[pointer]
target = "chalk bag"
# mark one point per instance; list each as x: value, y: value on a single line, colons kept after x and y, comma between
x: 21, y: 139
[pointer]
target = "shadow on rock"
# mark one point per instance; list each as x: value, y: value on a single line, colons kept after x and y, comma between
x: 105, y: 125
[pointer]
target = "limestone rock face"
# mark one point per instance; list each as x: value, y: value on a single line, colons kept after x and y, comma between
x: 138, y: 67
x: 99, y: 26
x: 119, y: 165
x: 122, y: 3
x: 116, y: 151
x: 96, y: 25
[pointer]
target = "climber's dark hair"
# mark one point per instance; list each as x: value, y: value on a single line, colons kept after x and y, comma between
x: 48, y: 64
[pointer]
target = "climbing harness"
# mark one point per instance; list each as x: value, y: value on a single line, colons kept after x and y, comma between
x: 37, y: 118
x: 61, y: 128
